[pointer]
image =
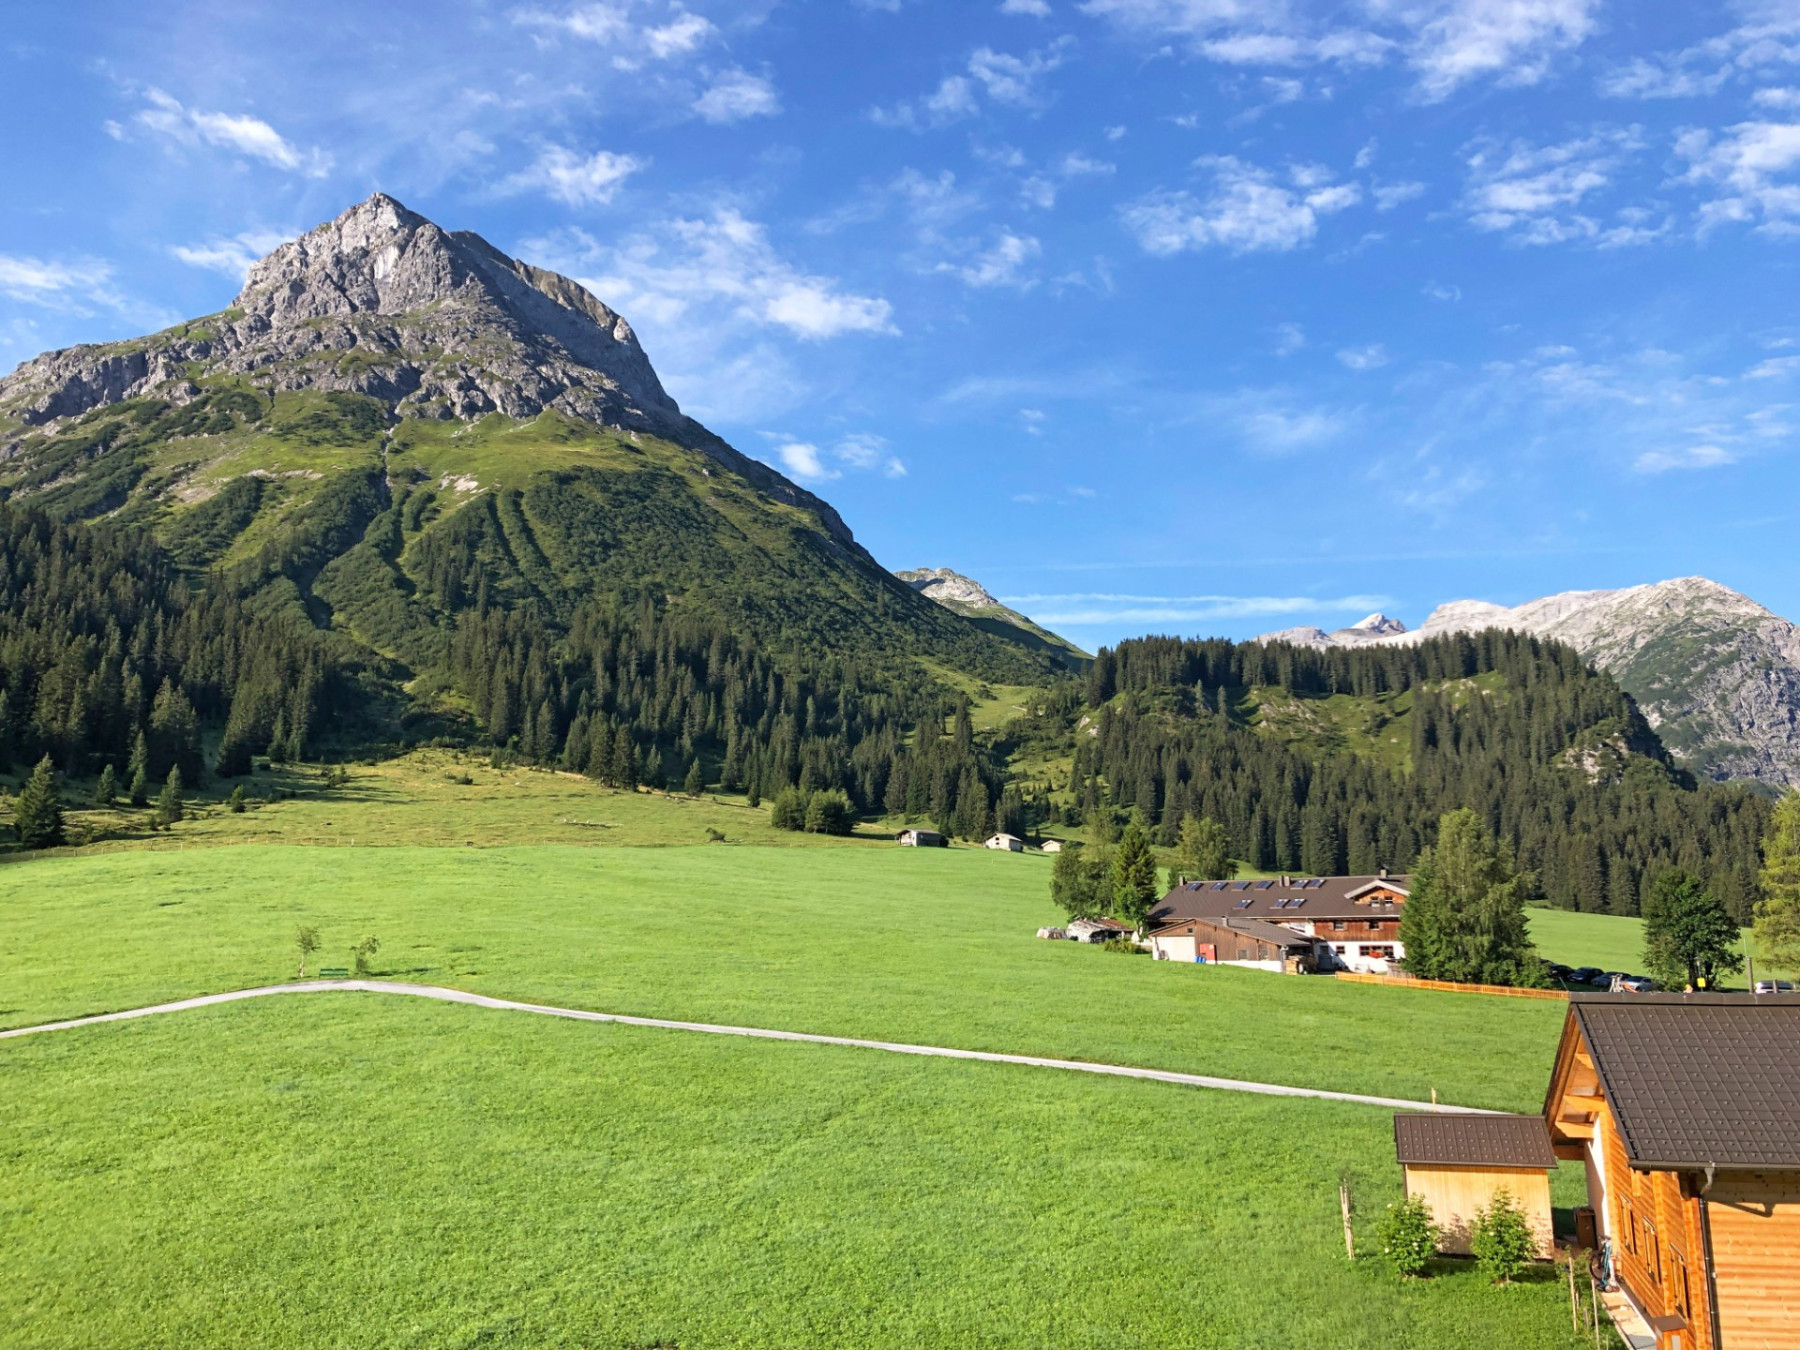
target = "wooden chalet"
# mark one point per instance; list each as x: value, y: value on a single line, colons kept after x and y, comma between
x: 1352, y: 923
x: 1458, y: 1163
x: 1685, y: 1109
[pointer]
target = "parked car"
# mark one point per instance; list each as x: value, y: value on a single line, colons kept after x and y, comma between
x: 1774, y: 986
x: 1557, y: 970
x: 1639, y: 984
x: 1604, y: 980
x: 1582, y: 974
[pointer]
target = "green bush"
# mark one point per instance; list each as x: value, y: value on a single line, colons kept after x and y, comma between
x: 1501, y: 1238
x: 789, y: 810
x: 1408, y: 1237
x: 828, y: 811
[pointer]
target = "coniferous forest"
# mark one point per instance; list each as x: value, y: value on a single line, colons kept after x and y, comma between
x: 111, y: 655
x: 1552, y: 755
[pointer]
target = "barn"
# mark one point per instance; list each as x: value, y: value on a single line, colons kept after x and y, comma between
x: 1457, y: 1163
x: 1685, y: 1109
x: 1234, y: 942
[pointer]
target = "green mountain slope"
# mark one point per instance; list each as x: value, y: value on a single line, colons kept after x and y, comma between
x: 395, y: 425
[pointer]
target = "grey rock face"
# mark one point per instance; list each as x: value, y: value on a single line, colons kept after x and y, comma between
x: 951, y: 589
x: 384, y: 303
x: 1715, y: 673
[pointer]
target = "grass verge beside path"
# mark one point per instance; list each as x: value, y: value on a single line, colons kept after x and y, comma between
x: 924, y: 946
x: 362, y: 1172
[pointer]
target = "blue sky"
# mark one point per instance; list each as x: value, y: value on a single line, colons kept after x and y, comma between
x: 1202, y: 316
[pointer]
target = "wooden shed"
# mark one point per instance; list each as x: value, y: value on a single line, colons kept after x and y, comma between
x: 1686, y: 1110
x: 1458, y: 1163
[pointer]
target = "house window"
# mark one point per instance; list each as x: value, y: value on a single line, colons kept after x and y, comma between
x: 1652, y: 1253
x: 1338, y: 947
x: 1678, y: 1281
x: 1381, y: 952
x: 1629, y: 1228
x: 1337, y: 925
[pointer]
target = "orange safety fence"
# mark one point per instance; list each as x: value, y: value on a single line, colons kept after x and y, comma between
x: 1450, y: 986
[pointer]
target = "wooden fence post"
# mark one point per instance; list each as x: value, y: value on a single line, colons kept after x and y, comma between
x: 1349, y: 1234
x: 1574, y: 1298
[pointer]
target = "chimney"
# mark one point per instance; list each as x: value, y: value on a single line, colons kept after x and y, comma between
x: 1286, y: 881
x: 1384, y: 874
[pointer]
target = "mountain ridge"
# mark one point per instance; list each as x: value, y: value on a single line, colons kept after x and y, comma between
x: 395, y: 421
x: 967, y: 597
x: 1716, y: 673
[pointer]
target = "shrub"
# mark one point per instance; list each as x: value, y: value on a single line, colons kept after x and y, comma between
x: 1501, y: 1238
x: 1408, y: 1237
x: 238, y: 800
x: 828, y: 811
x: 789, y: 810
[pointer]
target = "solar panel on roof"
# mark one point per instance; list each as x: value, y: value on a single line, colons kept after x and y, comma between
x: 1220, y: 885
x: 1261, y: 885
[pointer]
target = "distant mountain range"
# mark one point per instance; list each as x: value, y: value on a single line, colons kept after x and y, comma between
x: 966, y: 596
x: 1716, y: 674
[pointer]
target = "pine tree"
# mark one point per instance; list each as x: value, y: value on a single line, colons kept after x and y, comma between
x: 1778, y: 916
x: 107, y: 788
x: 1689, y: 939
x: 1465, y: 919
x: 139, y: 792
x: 38, y: 813
x: 169, y: 804
x: 695, y: 782
x: 1134, y: 890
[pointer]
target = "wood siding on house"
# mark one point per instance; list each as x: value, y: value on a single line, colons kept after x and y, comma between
x: 1455, y: 1193
x: 1755, y: 1218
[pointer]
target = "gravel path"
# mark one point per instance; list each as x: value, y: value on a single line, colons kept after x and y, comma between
x: 759, y: 1033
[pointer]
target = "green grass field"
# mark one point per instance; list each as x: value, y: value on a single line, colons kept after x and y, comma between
x: 348, y: 1171
x: 351, y: 1170
x: 869, y: 940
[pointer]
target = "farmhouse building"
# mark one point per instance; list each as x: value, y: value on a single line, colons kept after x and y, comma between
x: 1051, y: 846
x: 1238, y: 942
x: 1458, y: 1164
x: 1350, y: 923
x: 1010, y: 842
x: 923, y: 839
x: 1685, y: 1109
x: 1098, y: 930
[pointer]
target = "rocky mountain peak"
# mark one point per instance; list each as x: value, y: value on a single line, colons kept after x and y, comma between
x: 949, y: 588
x: 1379, y: 624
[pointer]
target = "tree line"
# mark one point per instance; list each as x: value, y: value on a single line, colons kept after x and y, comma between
x: 1552, y: 757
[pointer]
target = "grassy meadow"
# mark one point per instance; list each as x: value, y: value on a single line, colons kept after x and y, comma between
x: 859, y: 939
x: 352, y: 1171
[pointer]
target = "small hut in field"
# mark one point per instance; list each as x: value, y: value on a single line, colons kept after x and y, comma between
x: 1458, y: 1163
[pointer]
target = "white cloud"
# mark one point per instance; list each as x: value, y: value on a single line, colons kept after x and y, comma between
x: 802, y: 460
x: 1765, y: 40
x: 1247, y: 210
x: 1013, y: 81
x: 736, y: 96
x: 867, y: 451
x: 51, y: 283
x: 1455, y: 41
x: 1001, y: 264
x: 1038, y: 9
x: 1389, y: 195
x: 1693, y: 457
x: 1368, y: 357
x: 234, y: 254
x: 1779, y: 99
x: 679, y: 36
x: 238, y: 132
x: 572, y: 178
x: 615, y: 25
x: 1448, y: 43
x: 1537, y: 194
x: 1745, y: 165
x: 689, y: 265
x: 1289, y: 338
x: 1439, y: 291
x: 1112, y: 607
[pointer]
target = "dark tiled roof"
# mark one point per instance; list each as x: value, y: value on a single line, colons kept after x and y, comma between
x: 1698, y: 1079
x: 1473, y: 1141
x: 1319, y: 897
